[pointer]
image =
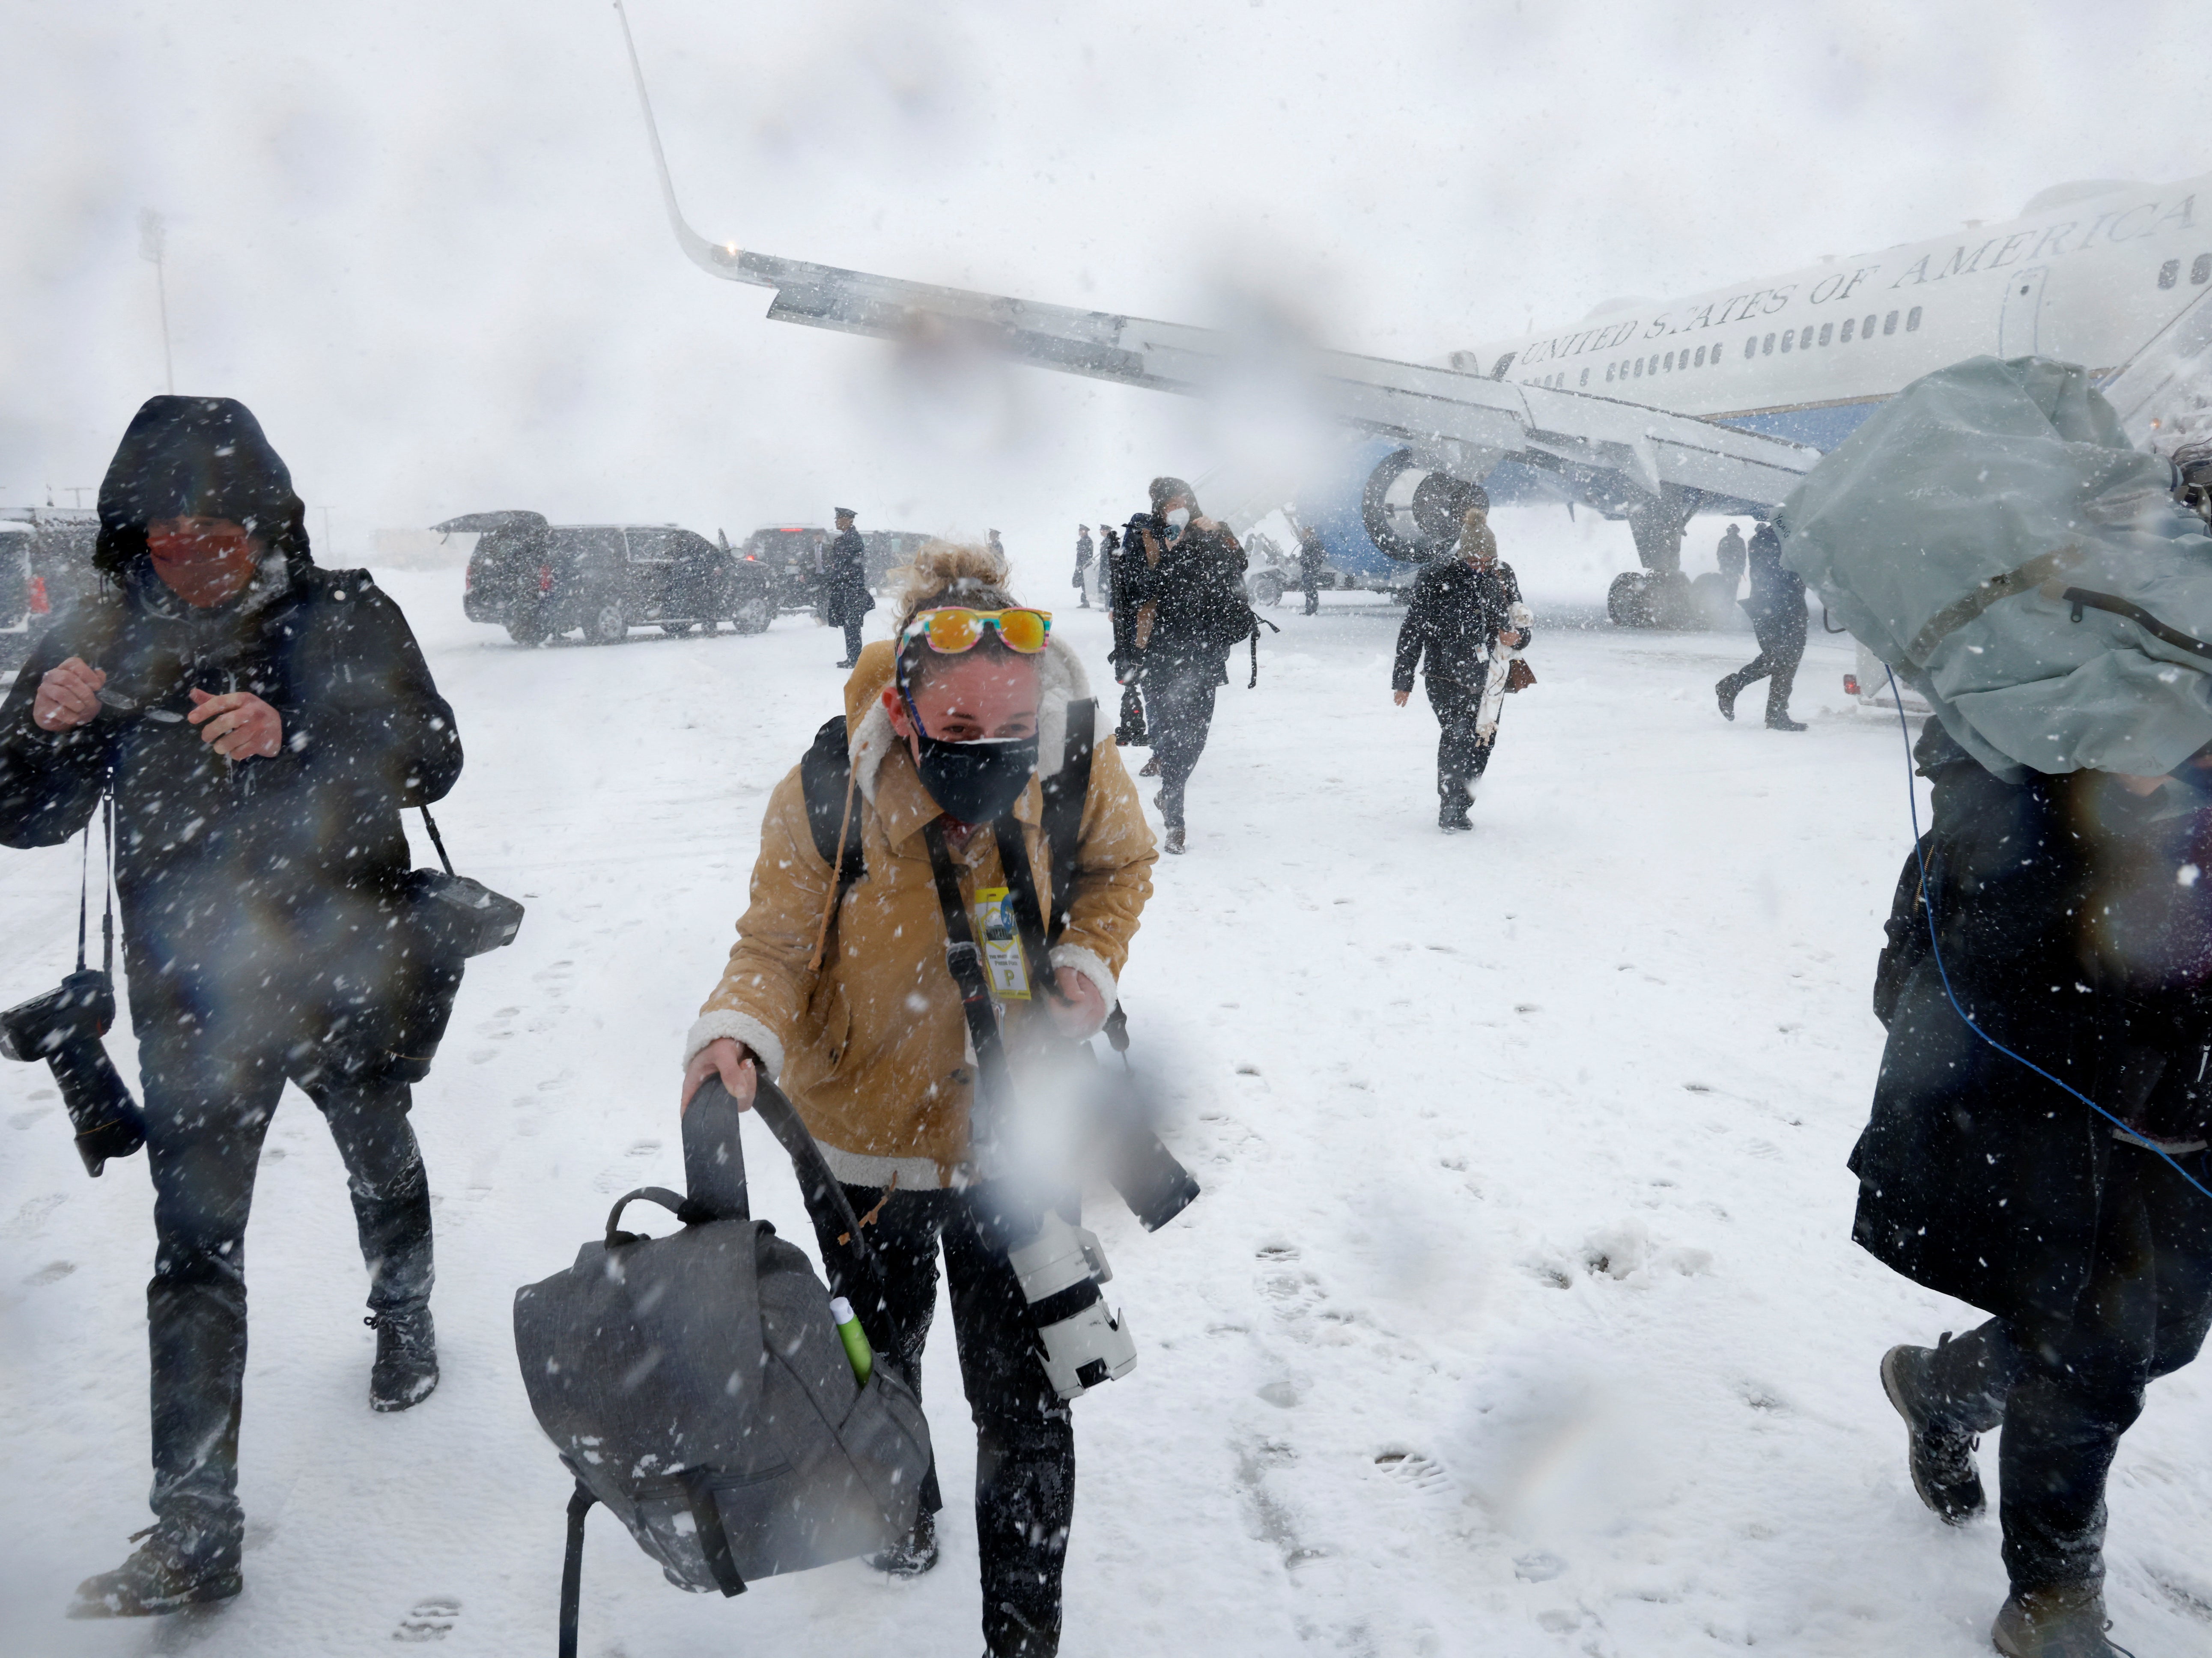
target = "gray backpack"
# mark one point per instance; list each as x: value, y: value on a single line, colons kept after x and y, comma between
x: 696, y: 1385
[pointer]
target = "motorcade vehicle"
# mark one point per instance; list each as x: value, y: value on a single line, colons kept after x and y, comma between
x: 540, y: 580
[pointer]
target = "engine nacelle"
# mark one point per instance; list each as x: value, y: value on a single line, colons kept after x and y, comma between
x: 1412, y: 511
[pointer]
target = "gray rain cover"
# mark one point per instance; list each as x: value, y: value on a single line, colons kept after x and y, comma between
x: 1930, y: 532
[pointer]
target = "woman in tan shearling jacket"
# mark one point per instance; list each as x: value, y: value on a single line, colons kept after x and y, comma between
x: 850, y: 1007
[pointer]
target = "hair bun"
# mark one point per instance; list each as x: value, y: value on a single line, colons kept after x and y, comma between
x: 951, y: 573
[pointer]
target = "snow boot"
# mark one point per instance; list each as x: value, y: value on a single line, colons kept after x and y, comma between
x: 173, y: 1568
x: 1173, y: 843
x: 1728, y: 690
x: 1452, y: 818
x: 1782, y: 722
x: 1150, y: 767
x: 406, y: 1369
x: 1941, y: 1458
x: 913, y: 1554
x: 2061, y: 1622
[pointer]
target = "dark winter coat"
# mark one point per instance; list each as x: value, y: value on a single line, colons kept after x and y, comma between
x: 1313, y: 558
x: 1776, y: 602
x: 1188, y: 598
x: 2076, y: 933
x: 1084, y: 553
x: 266, y: 888
x: 845, y: 595
x: 1456, y: 613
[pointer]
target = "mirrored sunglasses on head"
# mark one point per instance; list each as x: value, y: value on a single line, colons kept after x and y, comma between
x: 953, y: 629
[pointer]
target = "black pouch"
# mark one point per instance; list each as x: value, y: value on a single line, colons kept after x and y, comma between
x: 1905, y: 932
x: 449, y: 918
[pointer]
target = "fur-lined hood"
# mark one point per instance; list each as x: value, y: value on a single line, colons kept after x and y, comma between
x: 1063, y: 682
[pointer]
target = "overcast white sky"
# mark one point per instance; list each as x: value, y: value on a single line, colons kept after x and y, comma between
x: 423, y: 239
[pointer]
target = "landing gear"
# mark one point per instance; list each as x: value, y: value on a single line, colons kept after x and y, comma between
x: 1653, y: 598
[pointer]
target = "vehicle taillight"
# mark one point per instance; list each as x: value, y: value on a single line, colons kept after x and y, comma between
x: 544, y: 578
x: 1851, y: 684
x: 39, y: 604
x: 469, y: 579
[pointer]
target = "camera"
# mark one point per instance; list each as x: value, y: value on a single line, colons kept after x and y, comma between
x: 63, y: 1027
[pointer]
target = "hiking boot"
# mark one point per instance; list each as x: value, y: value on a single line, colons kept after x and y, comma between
x: 1150, y: 767
x: 1727, y: 690
x: 1941, y: 1458
x: 913, y: 1554
x: 2061, y: 1622
x: 1452, y: 818
x: 166, y: 1573
x: 1782, y: 722
x: 406, y: 1368
x: 1173, y: 843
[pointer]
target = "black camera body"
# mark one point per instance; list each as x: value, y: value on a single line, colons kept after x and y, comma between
x: 63, y: 1027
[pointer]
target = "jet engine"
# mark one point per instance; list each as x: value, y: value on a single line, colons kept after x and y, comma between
x: 1412, y: 512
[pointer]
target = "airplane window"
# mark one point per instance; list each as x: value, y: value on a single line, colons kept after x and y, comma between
x: 2200, y: 272
x: 1584, y: 380
x: 1913, y: 319
x: 1826, y: 329
x: 1850, y: 323
x: 1805, y: 339
x: 1700, y: 362
x: 1609, y: 373
x: 1766, y: 346
x: 2169, y: 273
x: 1670, y: 362
x: 1789, y: 339
x: 1889, y: 324
x: 1751, y: 346
x: 1639, y: 369
x: 1866, y: 328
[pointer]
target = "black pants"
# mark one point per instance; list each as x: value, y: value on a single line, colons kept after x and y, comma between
x: 2065, y: 1390
x: 1780, y: 650
x: 852, y: 640
x: 1313, y: 598
x: 1024, y: 1436
x: 1179, y: 707
x: 207, y: 1108
x: 1461, y: 756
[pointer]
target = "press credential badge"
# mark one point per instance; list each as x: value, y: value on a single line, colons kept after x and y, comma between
x: 1002, y: 944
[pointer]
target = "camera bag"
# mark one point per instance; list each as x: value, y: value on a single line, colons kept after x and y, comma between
x: 696, y: 1385
x: 450, y: 918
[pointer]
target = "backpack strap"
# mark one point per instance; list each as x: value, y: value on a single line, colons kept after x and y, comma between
x: 825, y: 779
x: 1065, y: 793
x: 572, y: 1567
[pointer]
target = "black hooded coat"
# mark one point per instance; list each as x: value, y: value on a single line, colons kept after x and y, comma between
x: 2074, y: 929
x: 263, y: 899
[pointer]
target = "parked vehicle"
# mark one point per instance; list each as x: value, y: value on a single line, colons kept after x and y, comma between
x: 46, y: 565
x: 539, y: 580
x: 792, y: 555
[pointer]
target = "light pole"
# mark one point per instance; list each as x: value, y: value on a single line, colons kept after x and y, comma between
x: 327, y: 531
x: 153, y: 238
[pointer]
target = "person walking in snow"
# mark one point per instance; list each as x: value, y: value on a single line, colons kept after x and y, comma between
x: 1776, y: 609
x: 2066, y: 937
x: 951, y: 725
x: 259, y: 723
x: 1109, y: 547
x: 1313, y: 558
x: 1084, y: 553
x: 1465, y: 612
x: 1185, y: 592
x: 846, y: 600
x: 1729, y: 559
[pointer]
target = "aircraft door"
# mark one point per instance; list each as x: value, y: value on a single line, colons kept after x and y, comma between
x: 2023, y: 306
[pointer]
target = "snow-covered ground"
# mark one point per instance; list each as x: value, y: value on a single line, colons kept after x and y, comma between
x: 1520, y: 1316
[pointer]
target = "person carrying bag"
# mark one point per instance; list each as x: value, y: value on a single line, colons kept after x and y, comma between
x: 842, y: 987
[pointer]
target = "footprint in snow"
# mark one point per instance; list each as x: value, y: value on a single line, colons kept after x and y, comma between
x: 429, y: 1620
x: 1422, y: 1474
x: 53, y: 1272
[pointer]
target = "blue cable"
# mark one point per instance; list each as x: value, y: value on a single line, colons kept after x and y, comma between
x: 1928, y: 902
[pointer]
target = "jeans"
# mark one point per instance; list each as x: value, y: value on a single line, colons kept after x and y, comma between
x: 207, y: 1109
x: 2065, y: 1390
x: 1179, y: 705
x: 1024, y: 1436
x: 1780, y: 651
x: 1461, y: 756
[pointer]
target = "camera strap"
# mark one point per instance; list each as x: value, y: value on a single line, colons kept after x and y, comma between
x: 105, y: 812
x: 436, y: 838
x: 963, y: 958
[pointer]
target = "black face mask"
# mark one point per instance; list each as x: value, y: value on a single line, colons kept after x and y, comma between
x: 976, y: 782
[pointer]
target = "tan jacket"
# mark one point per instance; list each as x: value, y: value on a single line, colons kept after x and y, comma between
x: 872, y: 1047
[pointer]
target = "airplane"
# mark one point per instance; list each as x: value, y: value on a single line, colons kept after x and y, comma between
x: 1650, y: 411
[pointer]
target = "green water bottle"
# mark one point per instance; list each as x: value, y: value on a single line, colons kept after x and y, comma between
x: 854, y: 1337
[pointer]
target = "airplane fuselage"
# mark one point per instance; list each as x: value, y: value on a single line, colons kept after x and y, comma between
x: 1808, y: 355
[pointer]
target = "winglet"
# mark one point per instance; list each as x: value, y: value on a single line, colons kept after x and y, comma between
x: 724, y: 260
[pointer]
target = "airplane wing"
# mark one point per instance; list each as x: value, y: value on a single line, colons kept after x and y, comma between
x: 1622, y: 450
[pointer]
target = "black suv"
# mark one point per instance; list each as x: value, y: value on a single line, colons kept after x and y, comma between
x: 539, y: 580
x: 791, y: 554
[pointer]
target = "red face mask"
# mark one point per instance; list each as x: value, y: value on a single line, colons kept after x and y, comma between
x: 204, y: 561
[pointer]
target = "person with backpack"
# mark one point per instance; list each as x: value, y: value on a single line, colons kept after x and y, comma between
x: 961, y: 735
x: 1462, y: 608
x: 256, y: 723
x: 1188, y: 608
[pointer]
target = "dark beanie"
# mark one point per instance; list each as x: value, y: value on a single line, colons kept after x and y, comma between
x: 196, y: 457
x: 1166, y: 489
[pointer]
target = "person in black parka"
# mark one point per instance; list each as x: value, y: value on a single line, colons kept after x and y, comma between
x: 1313, y: 559
x: 846, y: 600
x: 2073, y: 932
x: 259, y: 724
x: 1185, y: 593
x: 1460, y: 607
x: 1777, y: 609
